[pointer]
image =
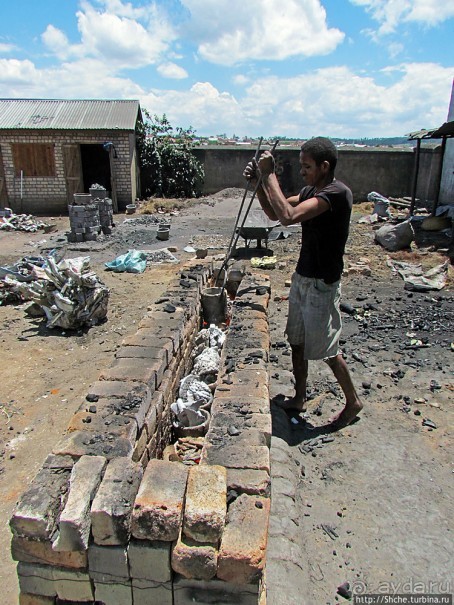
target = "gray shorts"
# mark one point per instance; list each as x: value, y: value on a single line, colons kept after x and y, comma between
x: 314, y: 318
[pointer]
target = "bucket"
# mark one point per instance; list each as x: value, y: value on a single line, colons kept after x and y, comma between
x: 130, y: 208
x: 163, y: 234
x: 82, y: 199
x: 214, y: 306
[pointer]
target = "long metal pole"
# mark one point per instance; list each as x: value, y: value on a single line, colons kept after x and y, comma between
x: 238, y: 231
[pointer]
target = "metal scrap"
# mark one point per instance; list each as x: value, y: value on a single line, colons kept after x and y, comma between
x: 20, y: 222
x: 69, y: 293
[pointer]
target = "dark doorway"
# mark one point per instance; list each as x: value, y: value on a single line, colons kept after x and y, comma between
x: 95, y: 166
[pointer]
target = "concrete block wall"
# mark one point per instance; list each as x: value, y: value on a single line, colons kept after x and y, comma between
x: 107, y: 520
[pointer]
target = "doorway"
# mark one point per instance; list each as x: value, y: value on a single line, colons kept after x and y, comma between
x: 95, y: 166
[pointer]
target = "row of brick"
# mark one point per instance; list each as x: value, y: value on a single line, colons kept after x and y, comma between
x: 99, y: 506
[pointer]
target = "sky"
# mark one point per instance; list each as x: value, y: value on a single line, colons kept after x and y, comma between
x: 245, y: 68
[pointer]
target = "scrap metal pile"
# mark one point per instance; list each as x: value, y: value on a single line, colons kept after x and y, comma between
x: 191, y: 409
x: 20, y: 222
x: 68, y: 293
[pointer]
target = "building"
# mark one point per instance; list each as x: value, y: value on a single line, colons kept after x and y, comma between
x: 51, y: 149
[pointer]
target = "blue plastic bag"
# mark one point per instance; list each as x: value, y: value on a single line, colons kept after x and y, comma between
x: 131, y: 262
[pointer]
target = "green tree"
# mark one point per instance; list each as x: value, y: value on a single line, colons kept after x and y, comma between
x: 168, y: 166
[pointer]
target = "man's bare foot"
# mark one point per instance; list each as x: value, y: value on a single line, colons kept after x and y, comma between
x: 293, y: 405
x: 346, y: 416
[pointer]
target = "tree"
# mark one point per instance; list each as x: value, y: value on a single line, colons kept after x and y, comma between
x: 168, y: 166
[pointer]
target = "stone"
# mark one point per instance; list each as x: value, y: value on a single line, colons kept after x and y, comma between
x: 75, y: 521
x: 249, y: 481
x: 194, y: 559
x: 206, y: 503
x: 114, y: 593
x: 189, y: 591
x: 36, y: 579
x: 41, y: 553
x: 105, y: 562
x: 37, y: 511
x: 34, y: 599
x: 242, y: 552
x: 112, y: 507
x: 86, y: 443
x: 150, y: 560
x: 158, y: 508
x: 145, y: 592
x: 73, y: 585
x: 237, y: 456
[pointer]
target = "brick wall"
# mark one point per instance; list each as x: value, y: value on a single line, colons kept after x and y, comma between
x: 107, y: 519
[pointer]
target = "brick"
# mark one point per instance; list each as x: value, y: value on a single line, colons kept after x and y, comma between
x: 114, y: 389
x: 148, y: 352
x: 148, y: 337
x: 114, y: 593
x: 34, y: 599
x: 187, y: 592
x: 254, y: 428
x: 41, y: 553
x: 36, y: 513
x: 242, y: 552
x: 244, y: 406
x: 135, y: 370
x: 194, y: 559
x: 36, y: 579
x: 112, y: 507
x: 107, y: 562
x: 249, y: 481
x: 150, y: 560
x: 206, y: 503
x: 73, y: 585
x: 145, y: 592
x: 241, y: 390
x: 75, y: 522
x: 237, y: 456
x: 158, y: 507
x: 120, y: 426
x: 84, y: 443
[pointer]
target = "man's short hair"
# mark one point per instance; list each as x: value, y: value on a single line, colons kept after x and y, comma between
x: 321, y: 149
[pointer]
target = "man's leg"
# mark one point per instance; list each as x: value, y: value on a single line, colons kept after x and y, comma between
x: 353, y: 404
x: 300, y: 367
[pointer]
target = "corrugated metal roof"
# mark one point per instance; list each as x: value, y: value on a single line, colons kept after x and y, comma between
x: 445, y: 130
x: 53, y: 114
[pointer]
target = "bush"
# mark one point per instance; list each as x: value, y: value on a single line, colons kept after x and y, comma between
x: 168, y: 167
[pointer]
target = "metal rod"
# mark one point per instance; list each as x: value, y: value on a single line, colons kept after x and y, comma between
x: 246, y: 190
x: 236, y: 232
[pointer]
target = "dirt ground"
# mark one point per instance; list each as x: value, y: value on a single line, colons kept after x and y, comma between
x: 375, y: 500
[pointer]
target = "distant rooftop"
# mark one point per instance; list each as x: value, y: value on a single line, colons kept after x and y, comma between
x: 54, y: 114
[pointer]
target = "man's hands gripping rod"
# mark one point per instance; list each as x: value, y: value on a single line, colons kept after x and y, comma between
x: 256, y: 170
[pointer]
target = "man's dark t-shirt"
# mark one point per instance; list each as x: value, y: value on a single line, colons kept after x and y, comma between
x: 324, y: 236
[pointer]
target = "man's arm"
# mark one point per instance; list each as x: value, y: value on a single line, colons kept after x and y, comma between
x: 287, y: 211
x: 250, y: 173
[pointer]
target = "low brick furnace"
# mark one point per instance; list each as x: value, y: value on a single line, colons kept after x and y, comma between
x: 108, y: 520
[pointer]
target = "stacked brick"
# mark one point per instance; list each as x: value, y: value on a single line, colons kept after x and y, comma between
x: 89, y: 216
x: 107, y: 521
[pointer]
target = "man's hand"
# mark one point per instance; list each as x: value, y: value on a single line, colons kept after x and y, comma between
x: 266, y: 164
x: 251, y: 172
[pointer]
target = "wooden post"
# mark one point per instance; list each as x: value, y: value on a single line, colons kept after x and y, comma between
x: 113, y: 180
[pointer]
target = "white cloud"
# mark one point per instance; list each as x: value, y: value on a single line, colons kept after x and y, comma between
x: 6, y: 48
x: 390, y: 13
x: 172, y: 71
x: 232, y: 31
x: 117, y: 34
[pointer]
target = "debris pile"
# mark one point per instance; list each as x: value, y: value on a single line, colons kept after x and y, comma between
x: 22, y: 270
x: 20, y: 222
x: 191, y: 409
x: 67, y: 293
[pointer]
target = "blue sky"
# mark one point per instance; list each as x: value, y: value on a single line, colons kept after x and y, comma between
x: 295, y: 68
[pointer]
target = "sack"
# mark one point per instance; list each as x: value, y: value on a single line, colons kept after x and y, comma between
x: 395, y: 237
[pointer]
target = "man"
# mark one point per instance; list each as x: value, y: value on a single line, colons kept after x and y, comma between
x: 323, y: 207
